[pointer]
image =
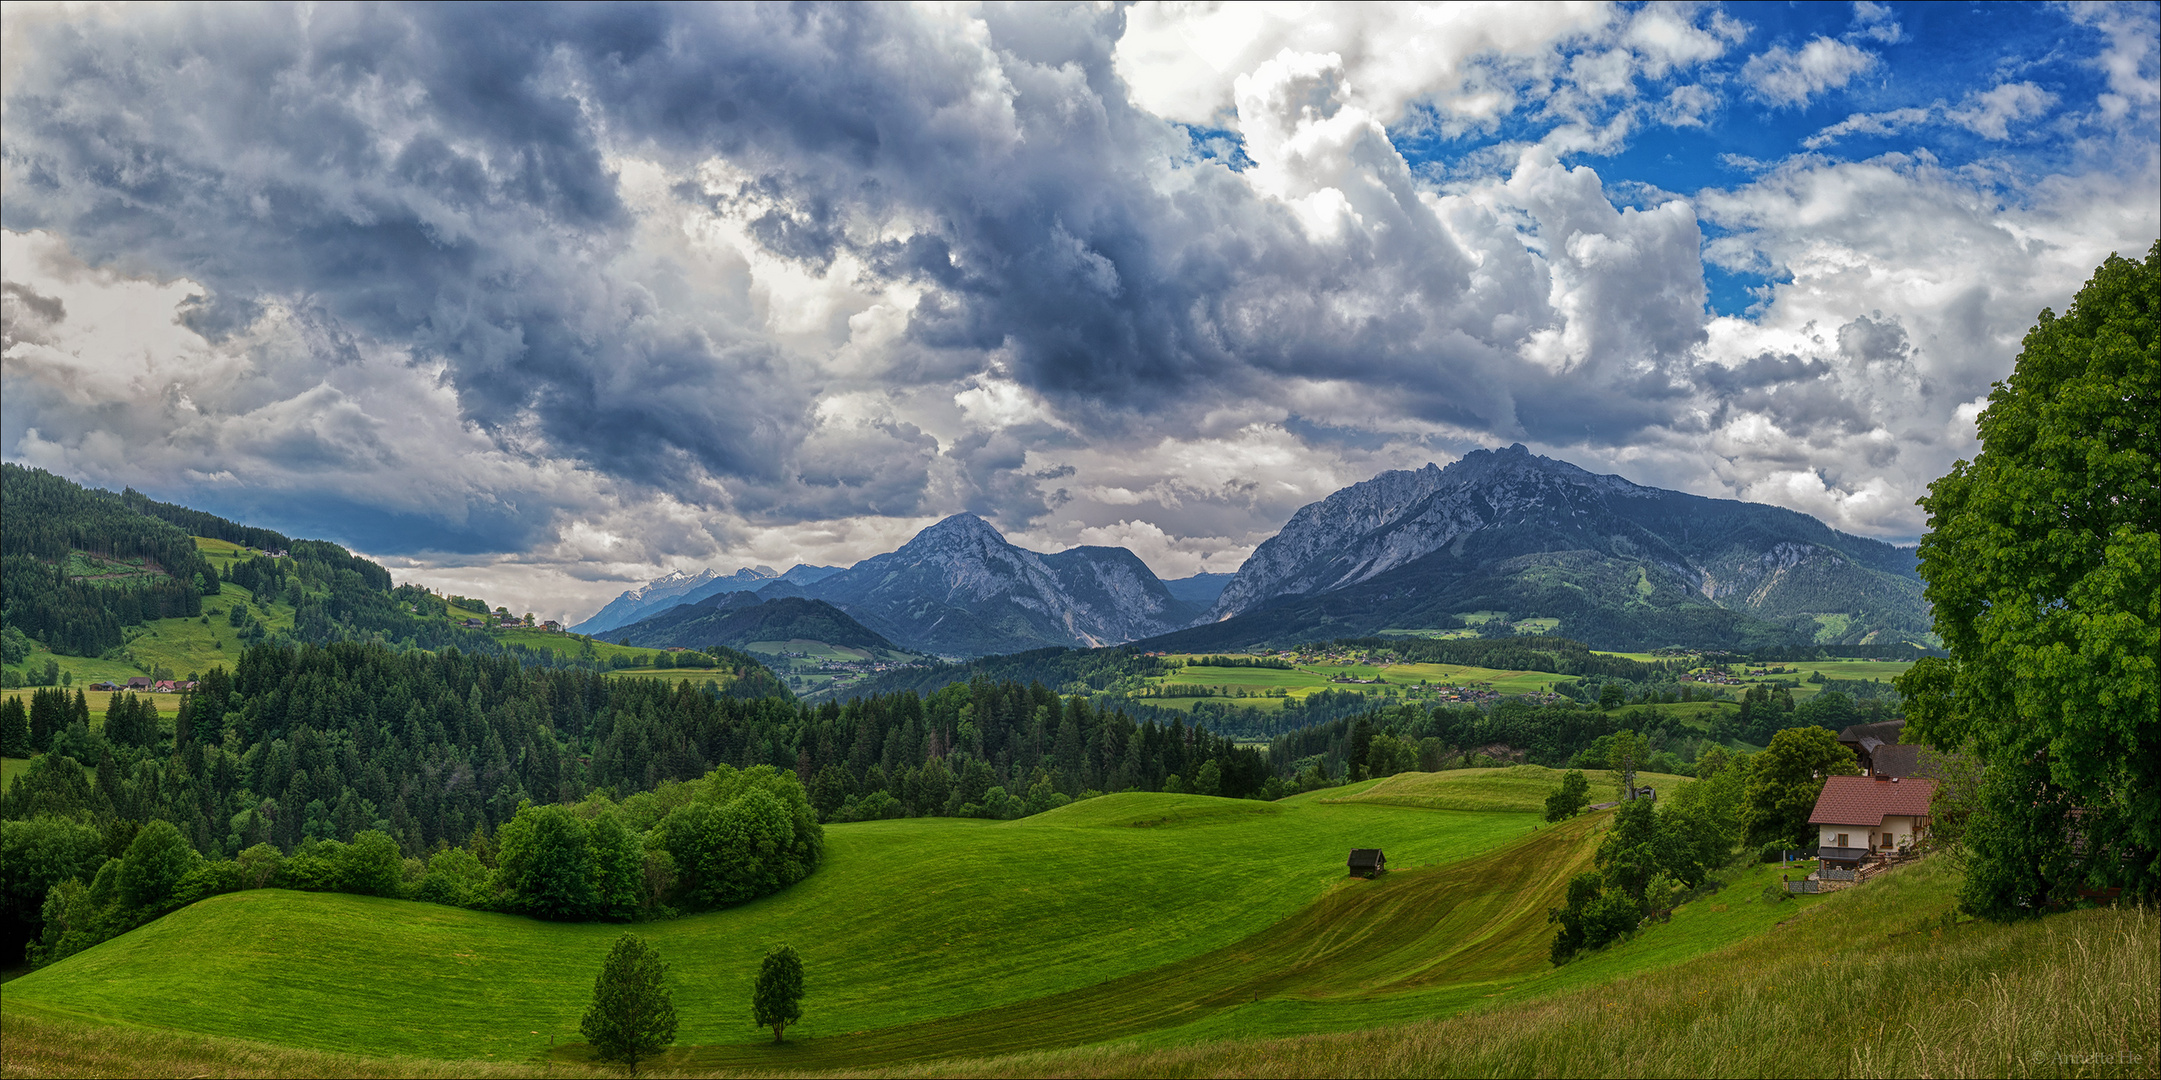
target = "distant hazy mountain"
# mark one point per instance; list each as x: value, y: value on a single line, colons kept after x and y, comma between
x: 1620, y: 565
x: 661, y: 594
x: 959, y: 589
x: 1199, y: 591
x: 735, y: 619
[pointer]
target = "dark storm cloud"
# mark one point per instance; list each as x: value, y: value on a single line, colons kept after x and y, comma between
x: 438, y: 177
x: 26, y: 314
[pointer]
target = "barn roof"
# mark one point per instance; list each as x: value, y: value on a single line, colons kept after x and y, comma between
x: 1867, y: 800
x: 1872, y: 735
x: 1366, y: 855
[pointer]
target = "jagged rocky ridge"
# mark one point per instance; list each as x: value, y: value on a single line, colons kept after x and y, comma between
x: 1621, y: 565
x: 959, y: 589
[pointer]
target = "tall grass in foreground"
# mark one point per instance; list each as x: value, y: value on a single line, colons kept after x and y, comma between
x: 1865, y: 988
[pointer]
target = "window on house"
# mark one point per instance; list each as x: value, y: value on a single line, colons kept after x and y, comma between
x: 1841, y: 841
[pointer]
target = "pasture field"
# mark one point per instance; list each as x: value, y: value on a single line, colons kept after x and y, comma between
x: 9, y: 769
x: 1520, y: 789
x: 1394, y: 680
x: 1928, y: 994
x: 907, y: 921
x: 1158, y: 917
x: 1455, y: 634
x: 816, y: 650
x: 1719, y: 991
x: 168, y: 704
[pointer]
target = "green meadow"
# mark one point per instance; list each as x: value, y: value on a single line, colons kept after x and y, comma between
x: 1249, y: 686
x: 1520, y: 789
x: 1166, y: 918
x: 1127, y: 935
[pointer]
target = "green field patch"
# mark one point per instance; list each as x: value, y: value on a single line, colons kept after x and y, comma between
x: 1514, y: 789
x: 1506, y: 682
x: 100, y: 570
x: 10, y: 768
x: 99, y: 700
x: 812, y: 650
x: 1640, y: 657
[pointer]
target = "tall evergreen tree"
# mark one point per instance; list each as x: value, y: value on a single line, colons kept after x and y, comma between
x: 632, y: 1015
x: 14, y: 729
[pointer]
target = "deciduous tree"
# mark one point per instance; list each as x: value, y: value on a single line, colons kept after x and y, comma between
x: 2043, y: 563
x: 1574, y: 794
x: 1785, y: 779
x: 777, y: 999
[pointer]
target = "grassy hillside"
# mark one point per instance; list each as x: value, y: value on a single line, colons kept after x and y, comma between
x: 1160, y: 935
x: 1877, y: 981
x: 1168, y: 917
x: 992, y: 912
x: 1515, y: 789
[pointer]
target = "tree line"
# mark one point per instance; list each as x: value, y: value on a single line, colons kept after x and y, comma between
x: 305, y: 745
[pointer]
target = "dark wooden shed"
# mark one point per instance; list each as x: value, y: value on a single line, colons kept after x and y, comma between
x: 1368, y: 862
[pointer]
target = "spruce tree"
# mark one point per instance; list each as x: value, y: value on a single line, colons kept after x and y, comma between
x: 14, y: 729
x: 632, y: 1015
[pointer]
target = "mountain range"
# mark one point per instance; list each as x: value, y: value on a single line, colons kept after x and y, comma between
x: 677, y: 588
x: 1618, y: 564
x: 1500, y: 536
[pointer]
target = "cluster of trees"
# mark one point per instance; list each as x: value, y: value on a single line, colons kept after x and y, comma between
x: 1402, y: 738
x: 1659, y: 851
x: 1275, y: 663
x: 632, y: 1015
x: 304, y: 746
x: 729, y: 837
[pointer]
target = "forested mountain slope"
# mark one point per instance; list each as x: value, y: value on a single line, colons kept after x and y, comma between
x: 735, y: 619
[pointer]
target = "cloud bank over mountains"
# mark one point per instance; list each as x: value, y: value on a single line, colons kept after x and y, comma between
x: 549, y: 299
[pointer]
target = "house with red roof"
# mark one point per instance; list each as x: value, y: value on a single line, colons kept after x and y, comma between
x: 1862, y: 817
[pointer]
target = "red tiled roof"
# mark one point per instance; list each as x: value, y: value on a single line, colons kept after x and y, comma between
x: 1865, y: 800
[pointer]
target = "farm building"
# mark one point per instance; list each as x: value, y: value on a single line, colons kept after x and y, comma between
x: 1867, y: 740
x: 1859, y: 817
x: 1368, y: 862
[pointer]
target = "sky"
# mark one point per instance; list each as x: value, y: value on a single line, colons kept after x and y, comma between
x: 539, y: 303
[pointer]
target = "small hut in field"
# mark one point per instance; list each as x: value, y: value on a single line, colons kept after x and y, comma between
x: 1368, y: 862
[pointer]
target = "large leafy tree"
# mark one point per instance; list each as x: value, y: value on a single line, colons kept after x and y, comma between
x: 155, y: 862
x: 1785, y: 780
x: 632, y: 1015
x: 547, y: 863
x: 2043, y: 562
x: 777, y: 999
